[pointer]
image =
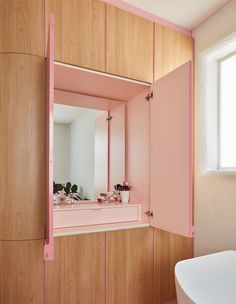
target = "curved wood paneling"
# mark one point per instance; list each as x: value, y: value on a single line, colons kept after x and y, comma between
x: 22, y: 26
x: 22, y: 148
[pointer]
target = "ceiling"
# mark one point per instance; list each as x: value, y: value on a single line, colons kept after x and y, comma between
x: 185, y: 13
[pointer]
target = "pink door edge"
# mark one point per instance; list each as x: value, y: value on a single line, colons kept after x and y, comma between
x: 48, y: 247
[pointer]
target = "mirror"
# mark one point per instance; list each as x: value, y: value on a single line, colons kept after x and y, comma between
x: 81, y: 150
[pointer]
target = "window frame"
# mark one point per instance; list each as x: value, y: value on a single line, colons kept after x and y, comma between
x: 219, y: 63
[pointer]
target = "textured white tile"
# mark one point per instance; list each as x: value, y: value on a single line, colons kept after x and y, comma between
x: 215, y: 193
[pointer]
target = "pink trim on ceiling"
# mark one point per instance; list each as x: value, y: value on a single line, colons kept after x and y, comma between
x: 137, y: 11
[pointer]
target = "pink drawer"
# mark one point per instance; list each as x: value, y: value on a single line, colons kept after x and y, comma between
x: 95, y: 215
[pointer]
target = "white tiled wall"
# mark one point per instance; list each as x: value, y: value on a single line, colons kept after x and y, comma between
x: 215, y: 193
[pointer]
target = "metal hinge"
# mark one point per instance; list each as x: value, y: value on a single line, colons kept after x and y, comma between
x: 109, y: 118
x: 149, y: 213
x: 149, y: 96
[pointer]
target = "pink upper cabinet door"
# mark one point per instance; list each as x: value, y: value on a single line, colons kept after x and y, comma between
x: 171, y: 152
x: 48, y: 248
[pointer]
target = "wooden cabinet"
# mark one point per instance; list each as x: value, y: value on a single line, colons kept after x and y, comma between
x: 79, y: 32
x: 169, y: 248
x: 77, y: 273
x: 22, y: 272
x: 22, y: 149
x: 172, y: 49
x: 129, y: 45
x: 22, y: 26
x: 129, y: 257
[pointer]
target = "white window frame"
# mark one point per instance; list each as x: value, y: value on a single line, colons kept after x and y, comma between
x: 220, y: 168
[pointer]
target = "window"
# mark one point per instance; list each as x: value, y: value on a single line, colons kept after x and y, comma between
x: 227, y: 112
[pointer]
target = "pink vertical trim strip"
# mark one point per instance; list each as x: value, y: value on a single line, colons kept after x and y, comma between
x: 191, y: 228
x: 48, y: 248
x: 44, y: 29
x: 106, y: 37
x: 105, y: 268
x: 154, y: 50
x: 137, y: 11
x: 153, y: 263
x: 109, y: 158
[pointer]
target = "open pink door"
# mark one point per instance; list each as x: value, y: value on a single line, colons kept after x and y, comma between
x: 48, y: 248
x: 171, y: 152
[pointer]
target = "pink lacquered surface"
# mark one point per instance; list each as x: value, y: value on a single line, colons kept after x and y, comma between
x: 87, y: 82
x: 171, y: 152
x: 137, y: 150
x: 48, y: 248
x: 84, y: 101
x: 86, y: 214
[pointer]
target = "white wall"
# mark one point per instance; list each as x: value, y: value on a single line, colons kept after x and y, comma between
x: 215, y: 193
x: 82, y: 156
x: 61, y: 171
x: 101, y: 155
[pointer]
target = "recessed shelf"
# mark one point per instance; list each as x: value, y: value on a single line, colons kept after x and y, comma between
x: 74, y: 79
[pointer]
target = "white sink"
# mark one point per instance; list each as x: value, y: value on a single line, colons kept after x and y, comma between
x: 209, y: 279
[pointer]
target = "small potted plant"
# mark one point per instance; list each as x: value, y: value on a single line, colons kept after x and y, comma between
x: 124, y: 191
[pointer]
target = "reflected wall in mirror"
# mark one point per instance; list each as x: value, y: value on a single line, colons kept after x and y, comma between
x: 81, y: 149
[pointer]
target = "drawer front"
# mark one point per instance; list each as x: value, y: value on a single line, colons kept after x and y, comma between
x: 95, y: 216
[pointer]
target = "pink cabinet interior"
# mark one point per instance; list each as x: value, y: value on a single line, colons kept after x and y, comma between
x: 137, y: 150
x: 152, y: 149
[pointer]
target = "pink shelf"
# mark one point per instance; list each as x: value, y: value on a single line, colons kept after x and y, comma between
x: 69, y: 78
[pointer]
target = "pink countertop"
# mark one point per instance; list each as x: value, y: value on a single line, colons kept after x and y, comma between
x: 99, y: 228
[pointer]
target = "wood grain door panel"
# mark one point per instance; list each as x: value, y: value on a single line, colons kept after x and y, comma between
x: 77, y: 273
x: 22, y: 149
x: 79, y: 32
x: 172, y: 49
x: 129, y: 270
x: 129, y: 45
x: 169, y: 248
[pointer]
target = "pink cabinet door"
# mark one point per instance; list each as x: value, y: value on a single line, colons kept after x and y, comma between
x: 171, y: 149
x: 48, y: 248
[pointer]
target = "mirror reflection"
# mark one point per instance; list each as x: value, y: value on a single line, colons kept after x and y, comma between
x: 80, y: 151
